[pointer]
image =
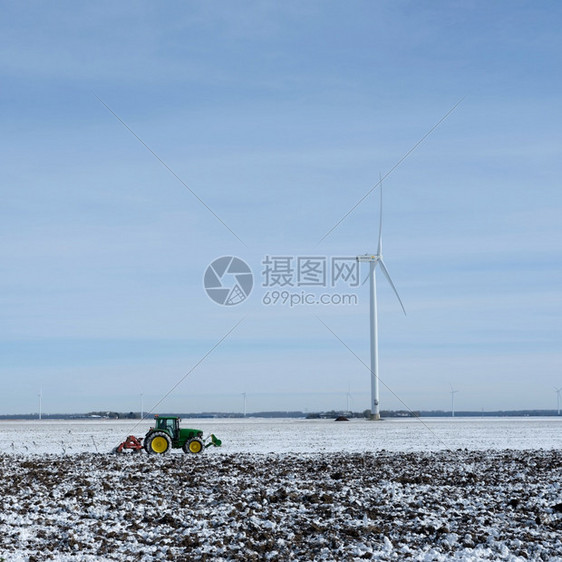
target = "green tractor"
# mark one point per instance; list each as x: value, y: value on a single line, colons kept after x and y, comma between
x: 167, y: 434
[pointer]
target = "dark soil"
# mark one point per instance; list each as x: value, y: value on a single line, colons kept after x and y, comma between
x: 451, y: 505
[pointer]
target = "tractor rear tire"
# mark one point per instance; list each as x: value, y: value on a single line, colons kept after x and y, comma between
x: 158, y: 442
x: 194, y: 446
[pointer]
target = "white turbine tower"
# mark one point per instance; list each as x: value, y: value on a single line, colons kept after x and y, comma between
x: 373, y: 261
x: 245, y: 396
x: 557, y: 390
x: 453, y: 392
x: 348, y: 398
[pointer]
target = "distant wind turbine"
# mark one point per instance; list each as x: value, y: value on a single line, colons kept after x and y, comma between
x: 453, y: 392
x: 557, y: 390
x: 244, y: 395
x: 348, y: 399
x: 373, y: 261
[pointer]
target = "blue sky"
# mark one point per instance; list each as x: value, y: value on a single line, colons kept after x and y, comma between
x: 280, y: 116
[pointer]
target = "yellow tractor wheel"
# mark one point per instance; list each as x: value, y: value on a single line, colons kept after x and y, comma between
x: 159, y: 443
x: 194, y: 446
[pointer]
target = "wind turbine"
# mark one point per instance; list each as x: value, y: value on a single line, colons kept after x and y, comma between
x: 245, y: 396
x: 348, y: 398
x: 373, y: 261
x: 40, y: 403
x: 453, y: 392
x: 557, y: 390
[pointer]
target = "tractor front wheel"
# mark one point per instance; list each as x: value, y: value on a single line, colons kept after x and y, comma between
x: 158, y: 442
x: 194, y: 446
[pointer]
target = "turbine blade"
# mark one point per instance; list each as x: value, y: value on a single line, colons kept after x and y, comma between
x: 387, y: 275
x: 379, y: 247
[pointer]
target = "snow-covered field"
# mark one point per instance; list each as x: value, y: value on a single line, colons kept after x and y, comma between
x: 295, y: 436
x: 444, y: 489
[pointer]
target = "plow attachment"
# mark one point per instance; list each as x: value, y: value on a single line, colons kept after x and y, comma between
x: 132, y: 443
x: 214, y: 441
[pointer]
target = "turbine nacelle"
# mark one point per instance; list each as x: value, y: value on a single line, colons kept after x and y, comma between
x: 368, y: 258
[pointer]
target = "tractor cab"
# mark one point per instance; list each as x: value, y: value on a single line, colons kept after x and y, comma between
x: 169, y: 424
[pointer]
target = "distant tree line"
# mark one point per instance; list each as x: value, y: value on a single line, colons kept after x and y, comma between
x: 330, y: 414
